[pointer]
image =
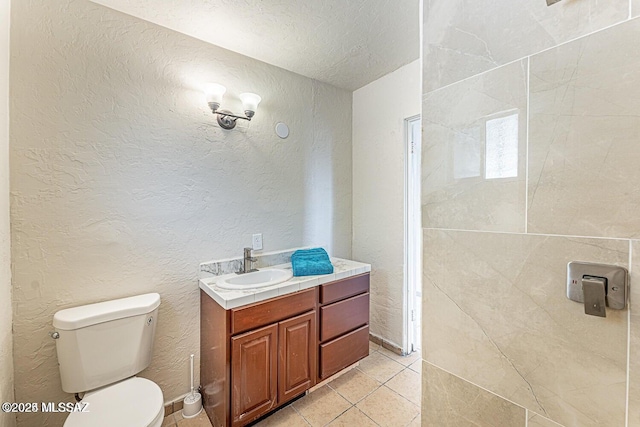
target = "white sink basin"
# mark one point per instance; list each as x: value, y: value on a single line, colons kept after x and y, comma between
x: 257, y: 279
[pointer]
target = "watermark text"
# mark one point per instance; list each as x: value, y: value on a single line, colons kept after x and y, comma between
x: 45, y: 407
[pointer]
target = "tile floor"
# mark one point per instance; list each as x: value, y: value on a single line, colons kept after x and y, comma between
x: 384, y: 390
x: 176, y: 419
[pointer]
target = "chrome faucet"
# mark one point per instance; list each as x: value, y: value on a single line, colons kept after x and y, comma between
x: 247, y: 264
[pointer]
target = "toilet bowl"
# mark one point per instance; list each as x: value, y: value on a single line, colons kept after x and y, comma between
x: 100, y: 348
x: 132, y: 402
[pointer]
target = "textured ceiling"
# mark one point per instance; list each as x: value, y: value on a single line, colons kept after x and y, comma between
x: 346, y: 43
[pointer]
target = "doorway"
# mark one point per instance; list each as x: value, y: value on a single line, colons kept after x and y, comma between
x: 412, y: 236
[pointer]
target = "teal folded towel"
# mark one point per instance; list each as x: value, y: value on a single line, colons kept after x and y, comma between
x: 311, y: 262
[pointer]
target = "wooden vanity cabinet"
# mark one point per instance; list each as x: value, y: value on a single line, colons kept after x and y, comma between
x: 257, y: 357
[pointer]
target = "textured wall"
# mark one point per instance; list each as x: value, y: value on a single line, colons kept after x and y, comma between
x: 379, y: 111
x: 499, y: 230
x: 6, y: 341
x: 122, y: 183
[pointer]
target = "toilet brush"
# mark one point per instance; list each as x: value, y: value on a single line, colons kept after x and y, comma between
x: 192, y: 405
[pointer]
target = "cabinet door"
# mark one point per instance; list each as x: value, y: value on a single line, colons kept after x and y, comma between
x: 297, y: 355
x: 254, y: 373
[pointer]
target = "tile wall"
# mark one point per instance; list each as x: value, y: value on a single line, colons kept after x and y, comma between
x: 463, y: 38
x: 6, y: 310
x: 531, y: 154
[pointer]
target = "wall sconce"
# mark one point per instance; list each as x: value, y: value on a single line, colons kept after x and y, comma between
x: 226, y: 119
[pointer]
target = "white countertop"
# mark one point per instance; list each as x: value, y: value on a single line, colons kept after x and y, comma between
x: 228, y: 299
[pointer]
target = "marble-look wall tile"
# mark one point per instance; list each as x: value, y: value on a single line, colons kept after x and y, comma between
x: 465, y: 37
x: 474, y: 152
x: 496, y: 314
x: 584, y: 130
x: 634, y: 350
x: 535, y: 420
x: 228, y: 266
x: 449, y: 401
x: 220, y: 268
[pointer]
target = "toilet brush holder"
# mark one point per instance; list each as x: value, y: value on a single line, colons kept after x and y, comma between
x: 192, y: 405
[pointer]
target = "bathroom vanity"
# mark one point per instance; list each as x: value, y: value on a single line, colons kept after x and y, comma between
x: 257, y: 356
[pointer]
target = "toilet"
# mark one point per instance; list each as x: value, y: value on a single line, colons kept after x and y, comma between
x: 101, y: 347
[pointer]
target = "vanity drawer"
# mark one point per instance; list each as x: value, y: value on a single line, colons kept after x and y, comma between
x: 345, y: 288
x: 343, y: 351
x: 343, y: 316
x: 271, y: 311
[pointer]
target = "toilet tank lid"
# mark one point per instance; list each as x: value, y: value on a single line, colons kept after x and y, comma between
x: 92, y: 314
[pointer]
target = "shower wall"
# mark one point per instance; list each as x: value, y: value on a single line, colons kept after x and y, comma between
x: 531, y: 154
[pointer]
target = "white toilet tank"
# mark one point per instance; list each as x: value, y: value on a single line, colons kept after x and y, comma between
x: 102, y: 343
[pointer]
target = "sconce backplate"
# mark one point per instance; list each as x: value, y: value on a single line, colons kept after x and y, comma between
x: 226, y: 119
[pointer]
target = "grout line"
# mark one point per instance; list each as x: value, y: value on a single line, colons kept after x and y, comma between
x: 424, y: 94
x: 298, y: 412
x: 375, y: 379
x: 526, y: 159
x: 379, y: 385
x: 341, y: 413
x: 515, y: 233
x: 472, y: 383
x: 581, y: 37
x: 498, y: 66
x: 365, y: 414
x: 363, y: 397
x: 401, y: 396
x: 630, y: 266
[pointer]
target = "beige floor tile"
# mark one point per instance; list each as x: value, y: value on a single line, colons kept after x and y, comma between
x: 354, y: 385
x: 321, y: 406
x: 169, y: 421
x: 379, y: 367
x: 407, y: 384
x: 416, y: 366
x: 353, y: 418
x: 285, y: 417
x: 373, y: 347
x: 405, y: 360
x: 200, y: 421
x: 387, y: 408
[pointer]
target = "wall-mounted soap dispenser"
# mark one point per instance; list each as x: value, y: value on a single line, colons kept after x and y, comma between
x: 597, y: 286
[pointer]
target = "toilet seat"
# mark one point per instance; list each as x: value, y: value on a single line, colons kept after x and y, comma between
x: 134, y: 402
